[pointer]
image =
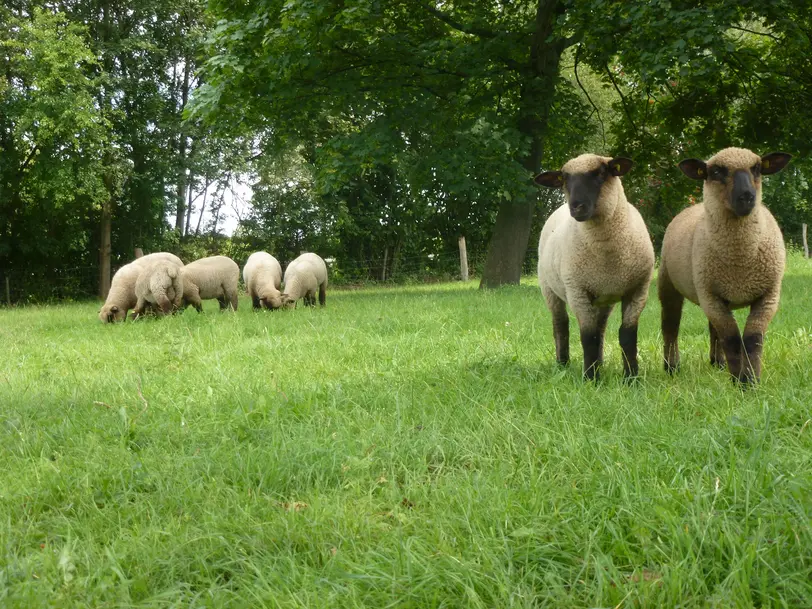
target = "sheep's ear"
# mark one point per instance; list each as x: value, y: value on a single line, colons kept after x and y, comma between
x: 774, y: 162
x: 550, y: 179
x: 695, y: 169
x: 620, y: 166
x: 114, y: 309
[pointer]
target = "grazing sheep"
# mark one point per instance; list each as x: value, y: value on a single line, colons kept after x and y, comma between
x: 209, y: 278
x: 121, y: 296
x: 303, y: 277
x: 725, y: 253
x: 262, y: 275
x: 593, y: 252
x: 160, y: 283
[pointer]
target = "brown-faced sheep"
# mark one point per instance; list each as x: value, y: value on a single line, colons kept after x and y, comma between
x: 594, y: 251
x: 262, y: 275
x: 725, y: 253
x: 121, y: 296
x: 209, y: 278
x: 305, y: 276
x: 160, y: 283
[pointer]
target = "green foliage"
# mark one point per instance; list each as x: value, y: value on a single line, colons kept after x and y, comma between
x: 401, y: 447
x: 52, y: 140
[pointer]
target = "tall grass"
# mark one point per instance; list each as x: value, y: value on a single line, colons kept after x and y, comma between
x: 411, y: 447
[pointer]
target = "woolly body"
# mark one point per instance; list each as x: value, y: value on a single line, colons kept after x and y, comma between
x: 262, y: 275
x: 594, y: 263
x: 210, y: 278
x: 121, y: 296
x: 159, y: 283
x: 304, y: 277
x: 721, y: 261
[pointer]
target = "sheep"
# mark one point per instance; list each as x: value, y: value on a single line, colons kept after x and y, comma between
x: 208, y: 278
x: 594, y: 251
x: 262, y: 275
x: 121, y: 296
x: 725, y: 253
x: 160, y: 283
x: 303, y: 277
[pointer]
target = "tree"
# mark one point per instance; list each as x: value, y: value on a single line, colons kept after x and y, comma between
x: 52, y: 137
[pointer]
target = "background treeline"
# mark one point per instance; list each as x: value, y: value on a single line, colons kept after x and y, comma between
x: 376, y: 133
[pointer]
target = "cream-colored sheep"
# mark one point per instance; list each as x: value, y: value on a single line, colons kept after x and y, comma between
x: 262, y: 275
x: 209, y: 278
x: 160, y: 283
x: 725, y: 253
x: 594, y: 251
x: 121, y: 296
x: 303, y: 278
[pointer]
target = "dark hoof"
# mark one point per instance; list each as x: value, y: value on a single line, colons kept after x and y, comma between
x: 718, y: 364
x: 670, y: 368
x: 563, y: 362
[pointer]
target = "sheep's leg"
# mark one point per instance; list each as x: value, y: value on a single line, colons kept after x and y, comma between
x: 322, y: 294
x: 561, y: 326
x: 761, y: 313
x: 221, y: 300
x: 592, y: 324
x: 233, y: 298
x: 717, y: 356
x: 255, y: 301
x: 138, y: 311
x: 671, y: 302
x: 721, y: 317
x: 632, y: 306
x: 310, y: 299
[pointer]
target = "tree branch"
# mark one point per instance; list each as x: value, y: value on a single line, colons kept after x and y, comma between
x: 766, y: 34
x: 578, y: 80
x: 471, y: 30
x: 27, y: 160
x: 622, y: 99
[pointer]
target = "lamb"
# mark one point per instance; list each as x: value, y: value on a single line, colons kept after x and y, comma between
x: 303, y: 277
x: 262, y: 275
x: 594, y: 251
x: 121, y: 296
x: 723, y: 254
x: 209, y: 278
x: 160, y: 283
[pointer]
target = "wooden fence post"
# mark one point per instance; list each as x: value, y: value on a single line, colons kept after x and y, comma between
x: 8, y: 291
x: 806, y: 243
x: 139, y: 252
x: 463, y: 259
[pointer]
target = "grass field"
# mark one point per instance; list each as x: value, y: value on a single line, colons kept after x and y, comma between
x: 411, y: 447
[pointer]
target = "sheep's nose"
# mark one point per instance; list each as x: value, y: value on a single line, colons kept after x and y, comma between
x: 746, y: 198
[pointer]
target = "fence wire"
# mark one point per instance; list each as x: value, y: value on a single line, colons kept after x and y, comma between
x: 66, y: 284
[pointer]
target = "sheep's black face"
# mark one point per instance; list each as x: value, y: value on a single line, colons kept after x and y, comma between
x: 583, y: 191
x: 583, y: 188
x: 733, y: 177
x: 743, y: 193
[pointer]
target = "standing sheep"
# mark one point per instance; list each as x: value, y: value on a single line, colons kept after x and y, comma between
x: 159, y: 283
x: 212, y: 277
x: 593, y: 252
x: 303, y: 278
x: 262, y: 275
x: 121, y: 296
x: 725, y: 253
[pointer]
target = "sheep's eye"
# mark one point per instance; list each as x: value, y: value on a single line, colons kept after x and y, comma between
x: 756, y: 170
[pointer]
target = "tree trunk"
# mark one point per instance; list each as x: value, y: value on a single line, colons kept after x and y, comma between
x: 202, y: 209
x: 508, y: 245
x: 180, y: 195
x: 138, y: 252
x: 806, y: 243
x: 105, y: 247
x: 385, y: 258
x: 189, y: 204
x: 463, y: 258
